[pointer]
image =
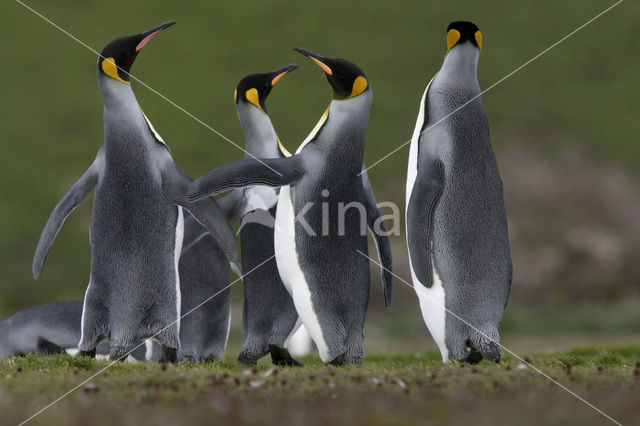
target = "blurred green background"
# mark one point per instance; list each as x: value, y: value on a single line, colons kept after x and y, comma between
x: 563, y: 130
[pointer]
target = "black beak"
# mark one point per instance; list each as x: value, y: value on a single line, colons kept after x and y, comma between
x: 309, y: 53
x: 158, y: 28
x: 151, y: 33
x: 280, y: 72
x: 286, y: 68
x: 321, y: 61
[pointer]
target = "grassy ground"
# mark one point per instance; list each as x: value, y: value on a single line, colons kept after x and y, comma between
x: 387, y: 389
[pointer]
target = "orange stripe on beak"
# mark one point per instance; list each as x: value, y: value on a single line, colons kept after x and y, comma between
x: 277, y: 78
x: 322, y: 65
x: 146, y: 40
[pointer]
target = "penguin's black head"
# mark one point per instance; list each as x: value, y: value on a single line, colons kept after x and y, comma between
x: 255, y: 88
x: 346, y: 78
x: 459, y: 32
x: 117, y: 57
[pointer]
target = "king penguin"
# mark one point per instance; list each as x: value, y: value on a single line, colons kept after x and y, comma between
x: 269, y: 317
x: 205, y: 292
x: 137, y: 221
x: 43, y: 330
x: 49, y: 329
x: 455, y: 214
x: 324, y: 207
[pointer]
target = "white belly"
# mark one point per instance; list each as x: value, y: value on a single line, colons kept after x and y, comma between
x: 290, y: 271
x: 177, y: 250
x: 300, y: 343
x: 432, y: 302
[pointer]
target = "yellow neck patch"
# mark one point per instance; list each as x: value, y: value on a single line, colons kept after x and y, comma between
x: 359, y: 85
x: 252, y: 96
x: 478, y: 36
x: 452, y: 38
x: 235, y: 95
x: 283, y: 150
x: 110, y: 69
x: 315, y: 130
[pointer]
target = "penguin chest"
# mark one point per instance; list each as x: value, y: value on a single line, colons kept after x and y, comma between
x: 136, y: 237
x: 291, y: 273
x: 284, y: 240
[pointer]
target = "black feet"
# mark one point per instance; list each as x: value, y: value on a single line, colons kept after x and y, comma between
x: 281, y: 357
x: 247, y: 359
x: 90, y: 354
x: 45, y: 347
x: 187, y: 357
x: 338, y: 361
x: 169, y: 355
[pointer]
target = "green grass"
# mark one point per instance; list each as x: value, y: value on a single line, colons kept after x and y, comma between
x: 386, y: 389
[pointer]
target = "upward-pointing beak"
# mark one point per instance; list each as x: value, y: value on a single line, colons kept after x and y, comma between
x: 281, y: 72
x: 151, y: 33
x: 320, y: 61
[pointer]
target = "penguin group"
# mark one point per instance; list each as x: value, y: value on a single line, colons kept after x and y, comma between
x: 162, y: 244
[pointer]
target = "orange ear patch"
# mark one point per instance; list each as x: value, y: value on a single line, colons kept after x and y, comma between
x: 253, y: 97
x: 110, y: 69
x: 478, y: 36
x: 359, y: 85
x: 452, y: 38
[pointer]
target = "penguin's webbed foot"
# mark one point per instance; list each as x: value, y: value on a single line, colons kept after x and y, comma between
x: 247, y: 359
x: 282, y: 358
x: 90, y: 353
x: 46, y: 347
x: 169, y: 355
x: 338, y: 361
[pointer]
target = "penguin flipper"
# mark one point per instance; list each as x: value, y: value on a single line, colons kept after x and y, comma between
x: 206, y: 211
x: 381, y: 236
x: 267, y: 171
x: 65, y: 206
x: 193, y: 233
x: 422, y: 203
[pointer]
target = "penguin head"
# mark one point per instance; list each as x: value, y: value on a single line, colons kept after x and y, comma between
x: 460, y: 32
x: 117, y: 57
x: 346, y: 79
x: 255, y: 88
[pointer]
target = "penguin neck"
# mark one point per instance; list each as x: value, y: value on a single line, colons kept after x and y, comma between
x: 260, y: 137
x: 124, y: 124
x: 460, y: 68
x: 115, y: 94
x: 345, y: 129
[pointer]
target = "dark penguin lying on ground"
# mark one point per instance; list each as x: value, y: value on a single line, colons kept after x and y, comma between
x: 48, y: 329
